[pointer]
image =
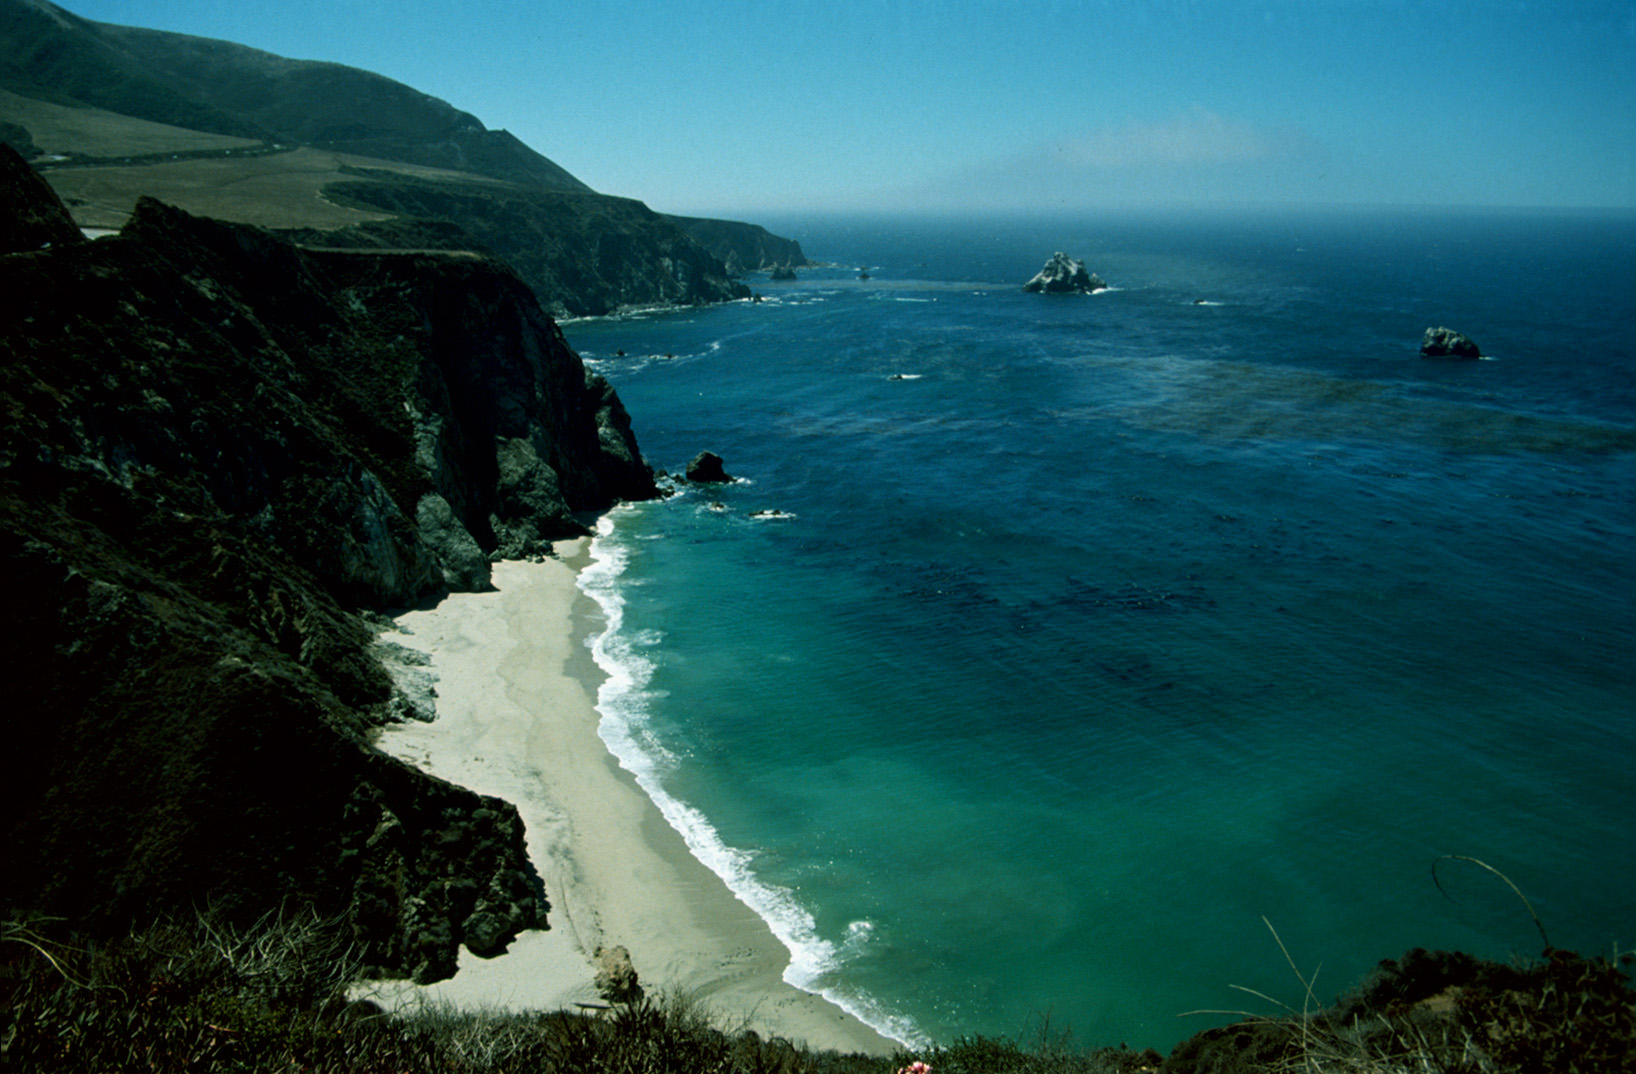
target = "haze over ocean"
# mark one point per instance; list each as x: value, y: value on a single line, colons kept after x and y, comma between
x: 1096, y: 628
x: 741, y: 109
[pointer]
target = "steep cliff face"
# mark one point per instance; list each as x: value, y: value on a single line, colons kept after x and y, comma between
x: 584, y: 254
x: 742, y: 247
x: 218, y: 448
x: 36, y: 220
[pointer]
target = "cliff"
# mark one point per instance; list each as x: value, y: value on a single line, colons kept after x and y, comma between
x: 583, y: 254
x: 742, y: 247
x: 219, y: 449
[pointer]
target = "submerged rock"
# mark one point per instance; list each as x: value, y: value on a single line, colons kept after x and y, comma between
x: 1447, y: 343
x: 1062, y: 275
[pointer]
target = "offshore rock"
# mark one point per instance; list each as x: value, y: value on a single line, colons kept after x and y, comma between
x: 1062, y: 275
x: 1447, y: 343
x: 219, y: 449
x: 707, y: 467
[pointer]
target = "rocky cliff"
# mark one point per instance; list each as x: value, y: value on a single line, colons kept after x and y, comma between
x: 1063, y: 275
x: 584, y: 254
x: 218, y: 450
x: 742, y: 247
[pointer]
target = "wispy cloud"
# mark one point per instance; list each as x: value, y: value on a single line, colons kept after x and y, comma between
x: 1198, y: 155
x: 1196, y: 137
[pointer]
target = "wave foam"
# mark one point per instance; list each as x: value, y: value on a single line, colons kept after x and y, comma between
x: 623, y: 701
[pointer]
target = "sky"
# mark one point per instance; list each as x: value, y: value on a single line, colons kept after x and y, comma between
x: 731, y: 107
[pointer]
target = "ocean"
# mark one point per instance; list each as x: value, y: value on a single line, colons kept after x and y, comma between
x: 1054, y: 659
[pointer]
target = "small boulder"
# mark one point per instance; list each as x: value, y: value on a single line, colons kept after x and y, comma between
x: 783, y: 272
x: 1447, y: 343
x: 706, y: 468
x: 615, y: 976
x: 1062, y: 275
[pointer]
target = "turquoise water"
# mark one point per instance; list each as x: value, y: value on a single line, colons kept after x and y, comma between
x: 1117, y: 623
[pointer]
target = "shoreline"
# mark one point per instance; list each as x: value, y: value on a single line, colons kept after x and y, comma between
x: 516, y: 691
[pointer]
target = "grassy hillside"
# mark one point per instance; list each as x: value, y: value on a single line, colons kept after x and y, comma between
x: 113, y: 113
x: 61, y: 130
x: 200, y: 996
x: 48, y: 53
x: 221, y: 88
x: 275, y: 190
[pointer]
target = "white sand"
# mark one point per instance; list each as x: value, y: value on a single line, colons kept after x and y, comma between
x: 516, y: 693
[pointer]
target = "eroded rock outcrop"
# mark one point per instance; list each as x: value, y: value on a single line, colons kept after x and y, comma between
x: 742, y: 247
x: 707, y: 467
x: 616, y: 979
x: 218, y: 450
x: 36, y: 218
x: 584, y: 255
x: 1447, y: 343
x: 1062, y: 275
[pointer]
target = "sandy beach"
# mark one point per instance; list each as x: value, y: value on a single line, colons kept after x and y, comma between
x: 516, y: 718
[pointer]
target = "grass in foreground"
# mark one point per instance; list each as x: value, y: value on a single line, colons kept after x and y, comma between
x: 205, y: 997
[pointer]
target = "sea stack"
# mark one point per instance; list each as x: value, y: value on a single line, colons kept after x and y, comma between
x: 1062, y: 275
x: 1447, y: 343
x: 706, y: 468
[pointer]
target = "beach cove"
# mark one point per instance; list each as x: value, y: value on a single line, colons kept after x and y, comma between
x: 516, y: 694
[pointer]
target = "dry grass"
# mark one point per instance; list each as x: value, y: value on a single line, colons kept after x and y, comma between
x: 92, y: 132
x: 205, y: 996
x: 274, y: 190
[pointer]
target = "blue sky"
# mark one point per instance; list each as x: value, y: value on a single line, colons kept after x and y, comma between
x: 792, y: 105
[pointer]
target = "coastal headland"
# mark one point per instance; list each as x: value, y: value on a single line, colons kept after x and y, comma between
x: 317, y: 380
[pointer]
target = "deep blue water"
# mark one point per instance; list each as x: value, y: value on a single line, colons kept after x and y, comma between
x: 1123, y: 621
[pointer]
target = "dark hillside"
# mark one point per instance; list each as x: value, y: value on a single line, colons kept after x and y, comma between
x: 742, y: 247
x: 73, y: 87
x: 584, y: 255
x: 217, y: 450
x: 225, y: 88
x: 57, y: 56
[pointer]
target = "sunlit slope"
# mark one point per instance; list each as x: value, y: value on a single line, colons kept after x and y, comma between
x: 218, y: 87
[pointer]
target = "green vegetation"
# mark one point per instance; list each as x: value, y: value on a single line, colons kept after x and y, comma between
x: 113, y: 113
x: 583, y: 254
x: 221, y: 88
x: 96, y: 133
x: 272, y: 190
x: 203, y: 996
